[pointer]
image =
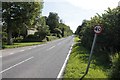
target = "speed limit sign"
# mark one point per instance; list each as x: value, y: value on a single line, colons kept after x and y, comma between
x: 98, y: 29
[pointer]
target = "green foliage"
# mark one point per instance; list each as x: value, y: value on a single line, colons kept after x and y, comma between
x: 78, y: 61
x: 50, y: 38
x: 53, y: 21
x: 19, y: 14
x: 22, y: 44
x: 18, y: 17
x: 58, y: 32
x: 110, y: 38
x: 107, y: 43
x: 77, y: 32
x: 4, y: 37
x: 56, y: 26
x: 66, y: 31
x: 43, y: 29
x: 18, y: 39
x: 31, y: 38
x: 115, y: 70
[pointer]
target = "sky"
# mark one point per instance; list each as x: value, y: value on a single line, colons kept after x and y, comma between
x: 73, y: 12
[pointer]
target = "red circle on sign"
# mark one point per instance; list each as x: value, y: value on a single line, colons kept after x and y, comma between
x: 98, y: 29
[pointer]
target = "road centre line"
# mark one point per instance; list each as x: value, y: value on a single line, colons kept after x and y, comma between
x: 34, y: 46
x: 59, y: 43
x: 15, y: 65
x: 22, y: 50
x: 29, y: 48
x: 50, y: 48
x: 12, y: 53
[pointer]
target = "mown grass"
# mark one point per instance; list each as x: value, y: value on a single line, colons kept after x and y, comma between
x: 22, y: 44
x: 76, y: 39
x: 78, y: 61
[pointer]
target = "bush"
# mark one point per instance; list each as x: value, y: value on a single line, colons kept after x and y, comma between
x: 50, y: 38
x: 4, y: 37
x: 109, y: 39
x: 115, y: 70
x: 37, y: 37
x: 47, y: 38
x: 18, y: 39
x: 31, y: 38
x: 59, y: 35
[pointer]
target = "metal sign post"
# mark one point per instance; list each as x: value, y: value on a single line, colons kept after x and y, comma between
x: 97, y: 30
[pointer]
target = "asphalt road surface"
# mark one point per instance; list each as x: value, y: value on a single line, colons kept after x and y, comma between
x: 40, y: 61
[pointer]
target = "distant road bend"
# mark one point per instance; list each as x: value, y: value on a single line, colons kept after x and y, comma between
x: 40, y: 61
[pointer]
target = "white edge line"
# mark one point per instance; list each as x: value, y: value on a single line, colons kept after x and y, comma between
x: 64, y: 65
x: 16, y: 65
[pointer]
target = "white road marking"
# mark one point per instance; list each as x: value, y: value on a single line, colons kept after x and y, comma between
x: 50, y: 48
x: 11, y: 53
x: 34, y: 46
x: 64, y: 65
x: 22, y: 50
x: 59, y: 43
x: 29, y: 48
x: 16, y: 65
x: 0, y: 56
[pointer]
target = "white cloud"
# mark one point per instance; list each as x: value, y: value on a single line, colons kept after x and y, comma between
x: 73, y: 25
x: 94, y: 4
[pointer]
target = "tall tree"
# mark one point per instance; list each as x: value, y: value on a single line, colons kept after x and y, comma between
x: 18, y: 14
x: 65, y: 30
x: 43, y: 29
x: 53, y: 21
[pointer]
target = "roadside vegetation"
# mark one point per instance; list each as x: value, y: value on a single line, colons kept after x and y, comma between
x: 106, y: 56
x: 23, y: 23
x: 78, y: 61
x: 22, y: 44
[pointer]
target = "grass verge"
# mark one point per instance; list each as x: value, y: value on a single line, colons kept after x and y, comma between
x: 78, y: 61
x: 22, y: 44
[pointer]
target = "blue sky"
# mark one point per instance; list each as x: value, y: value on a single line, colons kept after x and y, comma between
x: 73, y: 12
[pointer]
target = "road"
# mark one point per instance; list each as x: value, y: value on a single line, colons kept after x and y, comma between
x: 40, y: 61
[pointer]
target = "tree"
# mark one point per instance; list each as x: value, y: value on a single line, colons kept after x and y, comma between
x: 43, y: 29
x: 57, y: 26
x: 58, y: 32
x: 53, y: 21
x: 18, y: 14
x: 77, y: 32
x: 110, y: 38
